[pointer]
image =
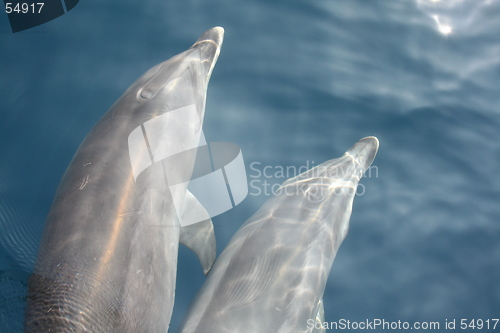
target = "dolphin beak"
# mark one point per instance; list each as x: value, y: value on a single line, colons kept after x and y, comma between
x: 214, y: 35
x: 364, y: 151
x: 209, y: 45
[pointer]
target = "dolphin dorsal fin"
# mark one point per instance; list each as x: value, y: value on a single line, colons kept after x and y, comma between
x: 200, y: 236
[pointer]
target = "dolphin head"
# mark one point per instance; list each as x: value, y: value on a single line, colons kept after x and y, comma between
x: 329, y: 188
x: 273, y: 273
x: 181, y: 80
x: 108, y: 259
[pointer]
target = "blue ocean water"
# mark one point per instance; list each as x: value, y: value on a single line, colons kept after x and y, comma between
x: 297, y: 83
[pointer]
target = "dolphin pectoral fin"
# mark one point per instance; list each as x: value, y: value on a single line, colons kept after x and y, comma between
x: 198, y: 236
x: 319, y: 319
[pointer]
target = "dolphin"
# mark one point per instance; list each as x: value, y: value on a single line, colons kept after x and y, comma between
x: 272, y: 275
x: 108, y: 256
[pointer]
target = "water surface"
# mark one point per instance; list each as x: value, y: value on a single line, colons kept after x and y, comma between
x: 297, y: 83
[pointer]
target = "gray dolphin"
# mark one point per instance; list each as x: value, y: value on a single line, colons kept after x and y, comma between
x: 272, y: 275
x: 108, y: 256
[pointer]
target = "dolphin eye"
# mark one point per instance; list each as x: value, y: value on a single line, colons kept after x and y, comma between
x: 146, y: 93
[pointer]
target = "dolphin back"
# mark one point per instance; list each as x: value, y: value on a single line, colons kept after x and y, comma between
x: 272, y: 275
x: 108, y: 257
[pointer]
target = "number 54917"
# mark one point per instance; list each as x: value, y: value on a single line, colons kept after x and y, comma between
x: 23, y: 8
